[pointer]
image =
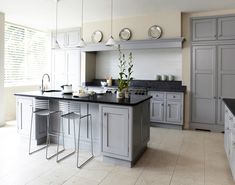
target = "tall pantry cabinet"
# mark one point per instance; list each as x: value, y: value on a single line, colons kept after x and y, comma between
x: 212, y: 71
x: 66, y: 63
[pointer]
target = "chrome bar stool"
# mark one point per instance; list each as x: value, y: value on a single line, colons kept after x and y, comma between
x: 41, y: 107
x: 72, y: 111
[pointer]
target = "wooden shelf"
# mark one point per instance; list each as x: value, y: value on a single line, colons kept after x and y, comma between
x: 137, y: 44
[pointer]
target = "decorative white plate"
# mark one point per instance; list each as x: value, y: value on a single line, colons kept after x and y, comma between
x: 97, y: 36
x: 125, y: 34
x: 155, y: 32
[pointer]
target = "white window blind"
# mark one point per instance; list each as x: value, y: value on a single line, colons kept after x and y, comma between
x: 26, y: 55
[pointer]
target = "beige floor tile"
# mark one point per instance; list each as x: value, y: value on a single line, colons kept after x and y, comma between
x: 77, y: 180
x: 173, y: 157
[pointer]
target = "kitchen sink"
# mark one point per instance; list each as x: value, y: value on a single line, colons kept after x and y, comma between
x: 52, y: 90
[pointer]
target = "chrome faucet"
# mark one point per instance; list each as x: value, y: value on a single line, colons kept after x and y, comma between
x: 43, y: 88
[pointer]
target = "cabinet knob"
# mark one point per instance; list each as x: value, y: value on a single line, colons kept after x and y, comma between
x: 157, y: 95
x: 162, y: 104
x: 105, y: 114
x: 173, y: 96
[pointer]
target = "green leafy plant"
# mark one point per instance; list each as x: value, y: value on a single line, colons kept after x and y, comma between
x: 126, y: 70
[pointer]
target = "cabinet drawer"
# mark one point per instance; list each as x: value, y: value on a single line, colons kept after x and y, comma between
x: 174, y: 96
x: 157, y: 95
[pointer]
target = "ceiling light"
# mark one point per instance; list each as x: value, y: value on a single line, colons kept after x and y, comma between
x: 81, y: 42
x: 111, y: 41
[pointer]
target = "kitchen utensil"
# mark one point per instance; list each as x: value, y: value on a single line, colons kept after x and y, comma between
x: 171, y: 77
x: 67, y: 89
x: 164, y: 77
x: 103, y: 83
x: 155, y: 32
x: 158, y: 77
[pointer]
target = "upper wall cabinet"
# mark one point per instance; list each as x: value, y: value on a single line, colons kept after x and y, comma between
x: 212, y: 29
x: 204, y: 29
x: 226, y: 28
x: 67, y: 39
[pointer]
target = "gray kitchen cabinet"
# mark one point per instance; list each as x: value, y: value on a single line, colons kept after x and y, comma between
x: 67, y: 39
x: 166, y: 107
x: 125, y: 131
x: 24, y: 108
x: 213, y: 72
x: 226, y: 28
x: 203, y: 84
x: 229, y: 138
x: 173, y: 112
x: 115, y: 126
x: 23, y: 115
x: 66, y: 68
x: 157, y: 110
x: 204, y: 29
x: 226, y: 77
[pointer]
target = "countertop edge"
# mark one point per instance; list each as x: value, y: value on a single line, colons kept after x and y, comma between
x: 86, y: 100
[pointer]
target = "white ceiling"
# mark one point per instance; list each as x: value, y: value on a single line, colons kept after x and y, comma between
x: 41, y: 13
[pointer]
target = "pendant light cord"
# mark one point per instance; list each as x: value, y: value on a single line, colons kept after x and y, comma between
x: 82, y: 22
x: 111, y: 18
x: 56, y: 24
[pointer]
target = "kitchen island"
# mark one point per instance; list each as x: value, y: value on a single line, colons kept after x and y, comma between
x: 120, y: 127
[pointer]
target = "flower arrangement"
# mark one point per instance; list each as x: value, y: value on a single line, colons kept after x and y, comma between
x: 125, y: 74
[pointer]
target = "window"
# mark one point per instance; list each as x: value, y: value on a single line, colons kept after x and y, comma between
x: 26, y: 55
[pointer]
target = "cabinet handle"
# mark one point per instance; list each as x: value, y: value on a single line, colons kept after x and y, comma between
x: 162, y: 104
x: 214, y: 97
x: 105, y: 114
x: 168, y: 105
x: 157, y: 95
x: 173, y: 96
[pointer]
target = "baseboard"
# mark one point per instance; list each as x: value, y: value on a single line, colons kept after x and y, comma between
x: 166, y: 125
x: 207, y: 127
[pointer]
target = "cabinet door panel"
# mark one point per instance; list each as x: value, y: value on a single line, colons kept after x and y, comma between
x: 203, y: 110
x: 115, y: 131
x: 73, y: 66
x: 204, y: 84
x: 226, y: 28
x: 73, y: 38
x: 226, y: 77
x: 173, y: 112
x: 24, y: 112
x: 204, y: 29
x: 157, y: 111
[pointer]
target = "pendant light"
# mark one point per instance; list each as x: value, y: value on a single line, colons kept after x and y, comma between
x: 81, y: 42
x: 111, y: 41
x: 56, y: 43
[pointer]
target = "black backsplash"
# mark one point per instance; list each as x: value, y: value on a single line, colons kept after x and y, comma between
x: 157, y: 85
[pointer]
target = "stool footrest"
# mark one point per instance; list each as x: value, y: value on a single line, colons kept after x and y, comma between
x: 37, y: 150
x: 61, y: 159
x: 54, y: 154
x: 80, y: 166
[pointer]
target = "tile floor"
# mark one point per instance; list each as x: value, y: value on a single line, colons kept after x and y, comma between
x: 173, y: 158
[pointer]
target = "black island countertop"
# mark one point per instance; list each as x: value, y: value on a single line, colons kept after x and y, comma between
x: 103, y: 99
x: 230, y: 103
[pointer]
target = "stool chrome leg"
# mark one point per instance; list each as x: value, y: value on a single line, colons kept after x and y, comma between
x: 30, y: 137
x: 57, y: 158
x: 80, y: 166
x: 49, y: 141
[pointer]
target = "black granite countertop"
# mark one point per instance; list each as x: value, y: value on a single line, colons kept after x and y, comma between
x: 230, y: 104
x: 104, y: 99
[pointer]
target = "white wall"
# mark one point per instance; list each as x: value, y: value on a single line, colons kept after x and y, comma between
x: 2, y: 25
x: 147, y: 63
x: 170, y: 21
